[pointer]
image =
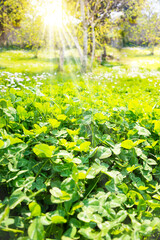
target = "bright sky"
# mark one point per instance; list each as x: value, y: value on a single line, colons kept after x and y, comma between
x: 155, y: 5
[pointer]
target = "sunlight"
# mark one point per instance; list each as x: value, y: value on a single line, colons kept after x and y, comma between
x: 52, y: 13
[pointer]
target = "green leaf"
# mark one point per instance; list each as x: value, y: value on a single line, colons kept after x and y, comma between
x: 1, y: 144
x: 15, y: 140
x: 12, y: 230
x: 89, y: 217
x: 116, y: 175
x: 156, y: 196
x: 59, y: 196
x: 74, y: 222
x: 66, y: 238
x: 58, y: 220
x: 127, y: 144
x: 54, y: 123
x: 123, y: 187
x: 66, y: 155
x: 35, y: 209
x: 139, y: 142
x: 157, y: 126
x: 3, y: 103
x: 9, y: 221
x: 16, y: 198
x: 2, y: 122
x: 75, y: 207
x: 23, y: 238
x: 12, y: 140
x: 22, y: 113
x: 143, y: 131
x: 100, y: 117
x: 153, y: 203
x: 5, y: 144
x: 142, y: 205
x: 27, y: 132
x: 150, y: 161
x: 93, y: 171
x: 45, y: 221
x: 84, y: 147
x: 4, y: 214
x: 38, y: 130
x: 89, y: 233
x: 81, y: 175
x: 73, y: 132
x: 117, y: 149
x: 133, y: 198
x: 131, y: 169
x: 61, y: 117
x: 43, y: 150
x: 121, y: 216
x: 71, y: 232
x: 111, y: 186
x: 141, y: 188
x: 36, y: 230
x: 103, y: 152
x: 118, y: 200
x: 75, y: 174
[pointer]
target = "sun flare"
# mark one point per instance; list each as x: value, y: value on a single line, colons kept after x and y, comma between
x: 52, y: 13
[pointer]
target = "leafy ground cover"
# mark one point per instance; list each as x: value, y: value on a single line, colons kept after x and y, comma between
x: 79, y: 157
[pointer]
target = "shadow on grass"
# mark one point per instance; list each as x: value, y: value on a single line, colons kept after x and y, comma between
x: 145, y: 55
x: 111, y: 64
x: 5, y: 48
x: 37, y: 59
x: 2, y: 68
x: 31, y: 66
x: 68, y: 59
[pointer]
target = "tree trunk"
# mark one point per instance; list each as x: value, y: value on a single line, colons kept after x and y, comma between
x: 90, y: 43
x: 104, y: 54
x: 85, y: 36
x: 152, y: 50
x: 75, y: 40
x: 61, y: 59
x: 78, y: 48
x: 36, y: 53
x: 61, y: 51
x: 151, y: 46
x: 93, y: 45
x: 85, y: 48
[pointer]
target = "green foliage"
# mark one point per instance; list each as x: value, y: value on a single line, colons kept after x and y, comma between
x: 80, y: 159
x: 36, y: 230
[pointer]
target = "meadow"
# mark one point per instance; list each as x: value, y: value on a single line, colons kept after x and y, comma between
x: 80, y: 153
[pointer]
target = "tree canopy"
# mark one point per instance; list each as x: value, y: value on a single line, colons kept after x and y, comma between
x: 85, y: 24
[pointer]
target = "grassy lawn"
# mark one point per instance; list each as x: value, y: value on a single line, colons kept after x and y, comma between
x: 24, y: 61
x: 79, y: 153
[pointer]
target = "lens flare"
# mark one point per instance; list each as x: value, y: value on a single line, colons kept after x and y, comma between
x: 52, y: 13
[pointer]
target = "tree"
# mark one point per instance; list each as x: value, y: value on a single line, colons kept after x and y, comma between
x: 94, y: 15
x: 11, y: 13
x: 142, y: 21
x: 148, y: 26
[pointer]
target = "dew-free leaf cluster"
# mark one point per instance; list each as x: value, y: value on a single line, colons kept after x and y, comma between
x: 80, y: 158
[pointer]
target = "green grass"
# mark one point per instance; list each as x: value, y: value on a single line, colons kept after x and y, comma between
x: 136, y: 56
x: 79, y: 154
x: 24, y: 61
x: 141, y: 57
